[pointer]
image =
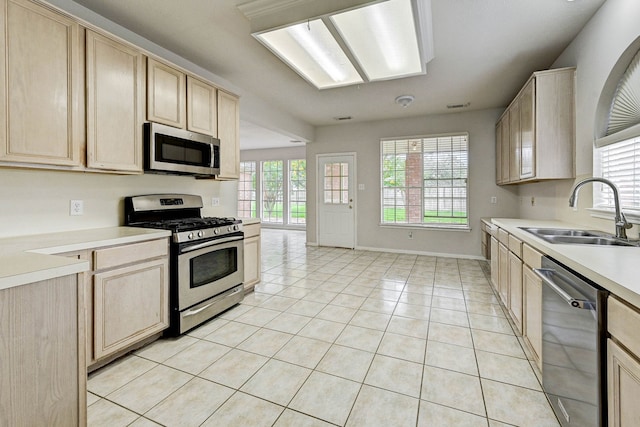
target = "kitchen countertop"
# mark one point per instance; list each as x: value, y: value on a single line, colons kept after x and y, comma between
x: 28, y: 259
x: 611, y: 267
x: 250, y: 221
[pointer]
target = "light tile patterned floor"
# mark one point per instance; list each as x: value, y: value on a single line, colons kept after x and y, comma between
x: 336, y: 337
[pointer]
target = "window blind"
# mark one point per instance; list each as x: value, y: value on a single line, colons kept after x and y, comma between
x: 620, y: 163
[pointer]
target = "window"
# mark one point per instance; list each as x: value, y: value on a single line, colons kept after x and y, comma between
x: 424, y: 181
x: 620, y: 163
x: 272, y: 191
x: 336, y: 183
x: 247, y: 190
x: 297, y: 191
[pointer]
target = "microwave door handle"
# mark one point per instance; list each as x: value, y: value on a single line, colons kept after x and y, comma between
x: 211, y: 243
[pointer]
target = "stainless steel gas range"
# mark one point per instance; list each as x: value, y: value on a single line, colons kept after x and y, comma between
x: 206, y: 265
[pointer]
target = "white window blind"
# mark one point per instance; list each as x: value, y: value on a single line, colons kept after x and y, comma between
x: 620, y: 163
x: 424, y: 181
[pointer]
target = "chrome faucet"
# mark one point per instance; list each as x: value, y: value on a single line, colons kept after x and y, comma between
x: 620, y: 220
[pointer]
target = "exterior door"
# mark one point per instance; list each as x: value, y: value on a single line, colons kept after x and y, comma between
x: 336, y: 207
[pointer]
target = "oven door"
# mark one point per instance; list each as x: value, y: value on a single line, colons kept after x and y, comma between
x: 206, y: 269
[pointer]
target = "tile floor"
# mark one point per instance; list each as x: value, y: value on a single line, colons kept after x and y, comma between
x: 336, y: 337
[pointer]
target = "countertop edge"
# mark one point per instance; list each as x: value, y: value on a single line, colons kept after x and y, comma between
x: 32, y: 258
x: 606, y: 266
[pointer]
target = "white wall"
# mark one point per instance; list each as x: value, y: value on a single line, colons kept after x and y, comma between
x: 364, y: 140
x: 37, y: 201
x: 289, y: 153
x: 594, y: 52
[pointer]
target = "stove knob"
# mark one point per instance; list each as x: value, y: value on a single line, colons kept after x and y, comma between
x: 190, y: 236
x: 235, y: 228
x: 200, y: 233
x: 229, y: 228
x: 216, y: 231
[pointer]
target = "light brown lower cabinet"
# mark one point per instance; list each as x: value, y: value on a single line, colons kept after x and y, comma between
x: 494, y: 263
x: 128, y: 297
x: 252, y: 262
x: 532, y: 290
x: 515, y: 290
x: 503, y: 273
x: 42, y: 366
x: 623, y: 386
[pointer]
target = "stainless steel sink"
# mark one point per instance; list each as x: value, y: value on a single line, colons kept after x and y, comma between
x: 576, y: 237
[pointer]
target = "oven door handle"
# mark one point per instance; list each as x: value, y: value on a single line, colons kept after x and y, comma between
x: 211, y: 243
x: 546, y: 275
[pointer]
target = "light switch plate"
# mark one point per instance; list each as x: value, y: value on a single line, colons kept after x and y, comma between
x: 215, y: 201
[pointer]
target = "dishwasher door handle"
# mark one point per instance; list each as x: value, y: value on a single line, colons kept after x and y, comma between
x: 546, y: 275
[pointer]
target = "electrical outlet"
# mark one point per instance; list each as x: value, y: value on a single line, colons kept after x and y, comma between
x: 410, y: 235
x: 533, y: 201
x: 360, y: 186
x: 76, y: 207
x: 215, y: 201
x: 494, y: 200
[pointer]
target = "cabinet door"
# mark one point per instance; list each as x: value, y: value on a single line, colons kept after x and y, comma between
x: 527, y: 131
x: 623, y: 387
x: 495, y: 269
x: 166, y: 94
x: 499, y: 152
x: 115, y: 105
x: 41, y: 85
x: 503, y: 274
x: 505, y: 148
x: 514, y: 141
x: 202, y: 114
x: 251, y: 262
x: 130, y: 304
x: 515, y: 289
x: 532, y: 289
x: 228, y: 132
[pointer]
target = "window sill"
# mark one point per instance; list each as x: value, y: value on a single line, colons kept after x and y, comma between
x: 633, y: 216
x: 443, y: 227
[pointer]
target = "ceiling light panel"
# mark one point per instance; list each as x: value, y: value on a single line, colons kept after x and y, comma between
x: 311, y: 50
x: 383, y: 38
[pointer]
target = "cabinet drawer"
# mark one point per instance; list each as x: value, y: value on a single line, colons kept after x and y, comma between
x: 531, y: 257
x: 503, y: 237
x: 515, y: 246
x: 251, y: 230
x: 623, y: 323
x: 127, y: 254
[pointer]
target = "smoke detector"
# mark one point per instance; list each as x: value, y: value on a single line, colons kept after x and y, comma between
x: 405, y: 100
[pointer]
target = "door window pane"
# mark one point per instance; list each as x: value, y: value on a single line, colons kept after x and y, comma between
x: 297, y: 191
x: 272, y: 191
x: 336, y: 183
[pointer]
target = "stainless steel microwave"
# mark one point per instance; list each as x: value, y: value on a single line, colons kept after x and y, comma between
x: 171, y: 150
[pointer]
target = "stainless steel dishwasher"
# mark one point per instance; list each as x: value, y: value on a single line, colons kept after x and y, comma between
x: 573, y: 345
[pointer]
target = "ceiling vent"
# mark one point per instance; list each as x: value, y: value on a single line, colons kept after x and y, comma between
x: 454, y: 106
x: 342, y: 119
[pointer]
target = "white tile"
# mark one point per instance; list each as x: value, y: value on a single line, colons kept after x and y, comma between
x: 276, y: 381
x: 108, y: 414
x: 164, y: 348
x: 291, y: 418
x: 360, y: 338
x: 370, y: 319
x: 244, y: 410
x: 288, y: 322
x: 265, y: 342
x: 453, y: 389
x: 403, y: 347
x: 452, y: 357
x: 450, y: 334
x: 306, y: 308
x: 303, y: 351
x: 257, y: 316
x: 497, y: 343
x: 382, y: 408
x: 506, y: 369
x: 116, y: 374
x: 336, y: 313
x: 234, y: 368
x: 516, y: 405
x: 397, y: 375
x: 190, y: 405
x: 150, y: 388
x: 326, y: 397
x: 432, y: 414
x: 321, y: 329
x: 197, y: 357
x: 416, y: 328
x: 231, y: 334
x: 346, y: 362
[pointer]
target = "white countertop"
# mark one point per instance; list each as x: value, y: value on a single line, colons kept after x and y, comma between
x: 250, y: 221
x: 611, y: 267
x: 28, y: 259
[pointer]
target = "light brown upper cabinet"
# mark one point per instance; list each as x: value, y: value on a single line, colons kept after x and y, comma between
x: 115, y: 104
x: 202, y: 112
x: 41, y: 85
x: 541, y: 138
x: 228, y: 125
x: 166, y: 94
